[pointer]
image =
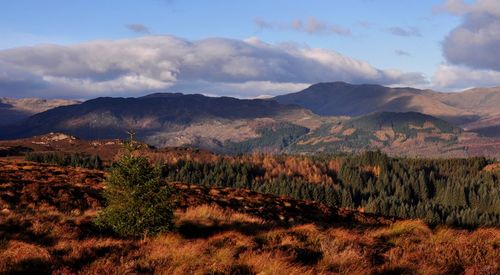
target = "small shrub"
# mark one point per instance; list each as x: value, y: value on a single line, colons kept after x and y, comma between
x: 139, y: 203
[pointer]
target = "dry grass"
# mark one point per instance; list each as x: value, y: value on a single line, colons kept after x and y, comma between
x: 54, y: 234
x: 234, y: 242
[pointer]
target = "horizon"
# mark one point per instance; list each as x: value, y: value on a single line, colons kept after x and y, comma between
x: 249, y: 137
x: 262, y: 97
x: 243, y: 50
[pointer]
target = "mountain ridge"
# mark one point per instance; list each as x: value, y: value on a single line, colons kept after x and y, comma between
x: 467, y: 108
x: 15, y: 110
x: 156, y: 115
x: 231, y: 125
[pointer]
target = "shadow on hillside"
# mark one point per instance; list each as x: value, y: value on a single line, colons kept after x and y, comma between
x: 278, y: 211
x: 194, y: 230
x: 22, y: 231
x: 202, y: 230
x: 30, y: 266
x: 88, y: 255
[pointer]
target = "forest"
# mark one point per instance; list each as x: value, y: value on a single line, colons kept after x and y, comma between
x: 65, y: 159
x: 455, y: 192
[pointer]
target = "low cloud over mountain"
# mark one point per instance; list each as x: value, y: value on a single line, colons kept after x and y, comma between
x: 222, y: 66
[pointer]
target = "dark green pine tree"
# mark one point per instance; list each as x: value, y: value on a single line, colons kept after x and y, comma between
x: 139, y: 202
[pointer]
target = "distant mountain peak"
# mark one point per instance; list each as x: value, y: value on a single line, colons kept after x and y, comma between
x: 13, y: 110
x: 340, y: 98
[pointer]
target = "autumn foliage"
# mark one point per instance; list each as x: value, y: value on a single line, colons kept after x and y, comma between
x: 46, y: 226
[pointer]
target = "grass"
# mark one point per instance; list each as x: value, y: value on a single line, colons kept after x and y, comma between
x: 51, y: 237
x: 65, y: 245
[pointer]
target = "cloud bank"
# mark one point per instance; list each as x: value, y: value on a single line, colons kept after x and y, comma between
x: 219, y: 66
x: 471, y: 49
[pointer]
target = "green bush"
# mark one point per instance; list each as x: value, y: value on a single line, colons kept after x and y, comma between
x: 139, y: 203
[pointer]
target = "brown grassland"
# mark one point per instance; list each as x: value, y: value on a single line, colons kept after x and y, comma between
x: 46, y: 226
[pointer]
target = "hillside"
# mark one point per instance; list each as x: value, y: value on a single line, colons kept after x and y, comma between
x: 46, y: 227
x: 483, y: 102
x: 340, y: 98
x: 232, y: 126
x: 161, y: 119
x: 371, y: 181
x: 15, y: 110
x: 471, y: 109
x: 400, y: 134
x: 59, y: 142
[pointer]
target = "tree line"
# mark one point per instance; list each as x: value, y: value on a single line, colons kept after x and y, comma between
x: 455, y: 192
x: 64, y: 159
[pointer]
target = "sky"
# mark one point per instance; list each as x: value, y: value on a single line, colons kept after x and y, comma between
x: 86, y: 49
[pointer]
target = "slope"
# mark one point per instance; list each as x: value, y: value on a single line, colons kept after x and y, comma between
x: 340, y: 98
x: 46, y: 227
x: 15, y: 110
x: 407, y: 134
x: 160, y: 119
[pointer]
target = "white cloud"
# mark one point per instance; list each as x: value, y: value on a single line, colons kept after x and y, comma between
x: 156, y: 63
x: 248, y: 89
x: 471, y: 48
x: 460, y: 7
x: 475, y: 42
x: 459, y: 77
x: 263, y: 88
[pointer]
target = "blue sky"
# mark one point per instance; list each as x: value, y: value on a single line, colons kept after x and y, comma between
x: 406, y: 35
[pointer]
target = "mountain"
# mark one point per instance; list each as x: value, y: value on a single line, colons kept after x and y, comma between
x: 484, y: 103
x: 162, y: 119
x: 230, y: 125
x: 472, y: 109
x: 399, y: 134
x: 14, y: 110
x: 340, y: 98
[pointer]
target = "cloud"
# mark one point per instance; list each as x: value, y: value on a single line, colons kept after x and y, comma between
x: 315, y: 26
x: 460, y: 7
x: 470, y: 49
x: 311, y: 26
x: 248, y: 89
x: 475, y: 42
x: 459, y: 77
x: 410, y: 31
x: 136, y: 66
x: 18, y: 81
x: 138, y: 28
x: 401, y: 52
